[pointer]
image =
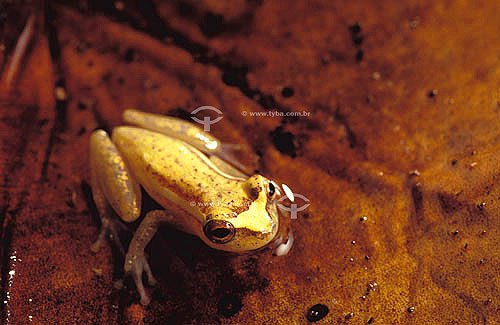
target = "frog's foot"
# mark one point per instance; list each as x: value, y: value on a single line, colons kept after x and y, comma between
x: 110, y: 227
x: 135, y: 265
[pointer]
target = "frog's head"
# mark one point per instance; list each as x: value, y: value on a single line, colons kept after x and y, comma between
x: 251, y: 223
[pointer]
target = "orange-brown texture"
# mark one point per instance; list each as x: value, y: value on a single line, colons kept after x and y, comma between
x: 404, y: 105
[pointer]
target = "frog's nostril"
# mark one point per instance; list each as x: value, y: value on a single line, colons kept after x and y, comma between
x: 219, y: 231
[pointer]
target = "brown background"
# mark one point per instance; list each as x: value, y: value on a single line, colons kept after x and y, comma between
x: 405, y: 110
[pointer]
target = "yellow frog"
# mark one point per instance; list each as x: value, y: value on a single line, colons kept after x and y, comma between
x: 188, y: 172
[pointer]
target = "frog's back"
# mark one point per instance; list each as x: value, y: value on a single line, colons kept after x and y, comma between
x: 162, y: 162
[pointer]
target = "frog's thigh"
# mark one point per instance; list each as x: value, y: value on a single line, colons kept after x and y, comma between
x: 111, y: 178
x: 175, y: 128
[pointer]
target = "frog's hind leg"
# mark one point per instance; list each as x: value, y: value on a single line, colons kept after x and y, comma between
x: 113, y: 189
x: 189, y: 133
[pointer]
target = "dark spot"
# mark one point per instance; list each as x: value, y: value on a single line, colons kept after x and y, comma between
x: 432, y: 93
x: 43, y: 122
x: 287, y: 92
x: 180, y: 113
x: 454, y: 233
x: 349, y: 316
x: 488, y: 301
x: 357, y: 40
x: 229, y: 305
x: 284, y: 141
x: 254, y: 192
x: 359, y: 56
x: 370, y: 320
x: 80, y: 48
x: 367, y: 257
x: 129, y: 55
x: 82, y: 105
x: 106, y: 76
x: 121, y: 80
x: 355, y: 28
x: 481, y: 205
x: 448, y: 203
x: 267, y: 101
x: 235, y: 77
x: 411, y: 309
x: 317, y: 312
x: 212, y: 24
x: 185, y: 9
x: 82, y: 131
x: 453, y: 162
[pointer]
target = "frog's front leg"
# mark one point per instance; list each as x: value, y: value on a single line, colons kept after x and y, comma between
x: 113, y: 188
x: 135, y: 260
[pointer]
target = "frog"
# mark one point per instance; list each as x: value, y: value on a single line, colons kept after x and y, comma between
x: 198, y: 181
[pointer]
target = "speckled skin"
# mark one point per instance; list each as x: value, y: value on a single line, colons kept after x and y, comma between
x: 176, y: 175
x: 192, y: 188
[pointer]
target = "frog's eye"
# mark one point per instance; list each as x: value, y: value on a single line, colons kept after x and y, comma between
x: 219, y: 231
x: 271, y: 190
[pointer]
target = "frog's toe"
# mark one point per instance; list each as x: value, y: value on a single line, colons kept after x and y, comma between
x: 151, y: 279
x: 111, y: 227
x: 145, y: 300
x: 135, y: 265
